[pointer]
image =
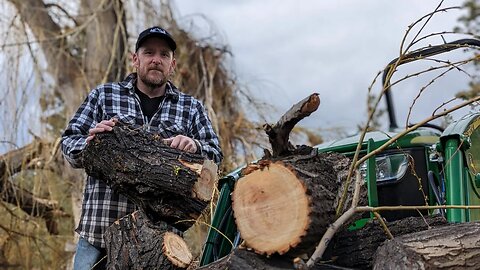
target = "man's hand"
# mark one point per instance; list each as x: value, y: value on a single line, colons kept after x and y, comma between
x: 183, y: 143
x: 105, y: 125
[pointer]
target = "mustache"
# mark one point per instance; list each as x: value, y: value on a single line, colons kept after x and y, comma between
x: 155, y: 68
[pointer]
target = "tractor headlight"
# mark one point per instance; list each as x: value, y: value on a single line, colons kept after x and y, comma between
x: 388, y: 167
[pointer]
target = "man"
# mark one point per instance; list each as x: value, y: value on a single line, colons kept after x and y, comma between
x: 145, y: 98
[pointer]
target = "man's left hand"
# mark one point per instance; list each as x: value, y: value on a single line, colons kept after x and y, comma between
x: 183, y: 143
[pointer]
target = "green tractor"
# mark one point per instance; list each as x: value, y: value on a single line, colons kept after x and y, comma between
x: 446, y: 169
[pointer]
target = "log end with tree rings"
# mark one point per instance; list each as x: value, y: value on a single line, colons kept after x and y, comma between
x: 271, y: 209
x: 205, y: 186
x: 176, y: 250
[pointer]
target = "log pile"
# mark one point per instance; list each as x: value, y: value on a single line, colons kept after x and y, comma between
x: 170, y: 187
x: 282, y: 205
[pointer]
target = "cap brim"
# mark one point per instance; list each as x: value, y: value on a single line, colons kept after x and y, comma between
x: 167, y: 38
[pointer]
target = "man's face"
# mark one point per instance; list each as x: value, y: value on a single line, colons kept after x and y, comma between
x: 154, y: 62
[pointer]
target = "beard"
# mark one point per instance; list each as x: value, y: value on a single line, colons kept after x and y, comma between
x: 151, y: 80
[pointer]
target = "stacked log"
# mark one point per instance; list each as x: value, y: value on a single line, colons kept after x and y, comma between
x: 284, y: 206
x: 447, y: 247
x: 170, y: 187
x: 356, y: 248
x: 137, y: 243
x: 284, y: 203
x: 167, y: 184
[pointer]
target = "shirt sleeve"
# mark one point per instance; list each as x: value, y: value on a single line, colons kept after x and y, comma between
x: 204, y: 135
x: 75, y: 135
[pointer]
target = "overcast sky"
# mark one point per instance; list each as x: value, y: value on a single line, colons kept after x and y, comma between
x: 286, y: 50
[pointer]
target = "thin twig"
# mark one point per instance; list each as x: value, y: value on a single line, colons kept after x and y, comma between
x: 384, y: 226
x: 414, y: 207
x: 414, y: 127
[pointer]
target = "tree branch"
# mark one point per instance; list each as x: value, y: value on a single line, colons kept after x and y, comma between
x: 278, y: 134
x: 14, y: 162
x: 61, y: 65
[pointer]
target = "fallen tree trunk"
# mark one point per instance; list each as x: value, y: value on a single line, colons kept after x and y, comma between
x: 133, y: 242
x: 448, y: 247
x: 166, y: 183
x: 357, y: 248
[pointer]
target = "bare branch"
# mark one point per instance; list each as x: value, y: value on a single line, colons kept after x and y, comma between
x: 64, y: 11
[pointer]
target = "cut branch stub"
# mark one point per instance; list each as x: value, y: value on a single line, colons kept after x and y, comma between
x: 278, y: 135
x: 168, y: 184
x: 176, y: 250
x: 285, y: 206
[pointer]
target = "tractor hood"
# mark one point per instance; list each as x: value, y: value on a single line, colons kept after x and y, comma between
x: 419, y: 137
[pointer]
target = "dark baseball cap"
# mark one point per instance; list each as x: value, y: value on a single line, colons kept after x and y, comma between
x: 156, y: 31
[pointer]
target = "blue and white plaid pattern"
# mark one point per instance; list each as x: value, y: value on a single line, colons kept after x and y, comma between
x: 179, y: 114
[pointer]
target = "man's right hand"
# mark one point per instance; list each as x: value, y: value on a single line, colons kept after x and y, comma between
x: 105, y: 125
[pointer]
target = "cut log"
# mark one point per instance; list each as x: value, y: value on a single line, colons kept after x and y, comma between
x: 448, y: 247
x: 357, y: 248
x: 285, y: 205
x: 168, y: 184
x: 241, y: 259
x: 133, y: 242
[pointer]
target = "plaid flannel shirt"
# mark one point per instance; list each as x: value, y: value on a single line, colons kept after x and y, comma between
x: 178, y: 114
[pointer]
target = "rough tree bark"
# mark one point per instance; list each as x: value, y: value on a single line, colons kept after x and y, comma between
x: 356, y: 249
x: 168, y: 184
x: 137, y: 243
x: 241, y: 259
x: 447, y: 247
x: 348, y: 250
